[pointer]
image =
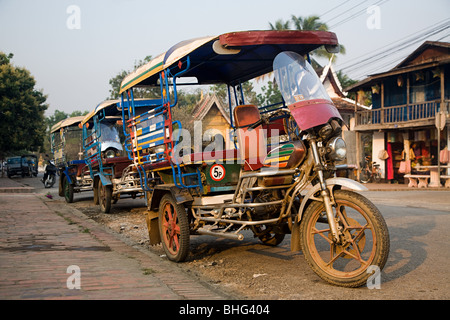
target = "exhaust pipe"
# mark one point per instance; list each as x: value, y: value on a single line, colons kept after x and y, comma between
x: 234, y: 236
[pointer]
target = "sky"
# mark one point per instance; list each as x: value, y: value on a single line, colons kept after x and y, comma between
x: 74, y: 47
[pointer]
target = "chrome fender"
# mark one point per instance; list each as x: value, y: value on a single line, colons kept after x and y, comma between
x: 331, y: 184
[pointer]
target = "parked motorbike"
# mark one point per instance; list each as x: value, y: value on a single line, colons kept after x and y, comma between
x: 49, y: 174
x: 341, y: 233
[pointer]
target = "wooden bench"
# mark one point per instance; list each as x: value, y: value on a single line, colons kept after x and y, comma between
x: 421, y: 179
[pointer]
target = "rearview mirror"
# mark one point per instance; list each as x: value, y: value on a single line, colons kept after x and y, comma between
x: 332, y: 48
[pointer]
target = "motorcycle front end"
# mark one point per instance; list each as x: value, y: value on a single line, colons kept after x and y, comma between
x: 342, y: 234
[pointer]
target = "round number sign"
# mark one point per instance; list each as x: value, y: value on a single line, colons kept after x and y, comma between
x: 217, y: 172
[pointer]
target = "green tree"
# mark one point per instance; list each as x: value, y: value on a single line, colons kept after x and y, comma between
x: 221, y: 91
x: 308, y: 23
x: 22, y: 107
x: 78, y: 113
x: 311, y: 23
x: 137, y: 92
x: 280, y: 25
x: 55, y: 118
x: 270, y: 94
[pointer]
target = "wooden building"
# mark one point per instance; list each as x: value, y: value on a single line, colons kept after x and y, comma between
x: 211, y: 119
x: 406, y: 101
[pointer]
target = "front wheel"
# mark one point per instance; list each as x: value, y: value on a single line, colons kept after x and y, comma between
x: 104, y: 195
x: 173, y: 228
x: 364, y: 240
x: 50, y: 181
x: 68, y: 191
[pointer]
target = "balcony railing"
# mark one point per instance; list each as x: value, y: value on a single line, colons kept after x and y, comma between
x: 402, y: 113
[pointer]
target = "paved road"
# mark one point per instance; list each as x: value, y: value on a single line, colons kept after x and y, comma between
x: 417, y: 267
x: 50, y: 251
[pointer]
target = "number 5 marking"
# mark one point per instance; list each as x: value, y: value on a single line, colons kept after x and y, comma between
x: 217, y: 172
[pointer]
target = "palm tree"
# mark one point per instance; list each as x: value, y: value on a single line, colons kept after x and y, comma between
x: 280, y: 25
x: 310, y: 23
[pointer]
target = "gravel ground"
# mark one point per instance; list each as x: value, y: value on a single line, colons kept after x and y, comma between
x: 215, y: 260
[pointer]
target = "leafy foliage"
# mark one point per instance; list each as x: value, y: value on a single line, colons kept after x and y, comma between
x: 61, y: 115
x: 310, y: 23
x: 138, y: 92
x: 22, y: 107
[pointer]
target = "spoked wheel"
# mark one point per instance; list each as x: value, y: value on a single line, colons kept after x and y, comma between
x: 68, y: 191
x: 173, y: 228
x: 104, y: 195
x: 364, y: 240
x: 377, y: 177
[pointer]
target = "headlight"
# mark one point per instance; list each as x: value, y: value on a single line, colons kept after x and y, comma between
x: 337, y: 149
x: 110, y: 153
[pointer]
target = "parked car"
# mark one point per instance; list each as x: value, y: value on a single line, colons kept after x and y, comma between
x: 13, y: 166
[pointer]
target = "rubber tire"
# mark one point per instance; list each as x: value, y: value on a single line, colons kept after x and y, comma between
x: 61, y: 185
x: 96, y: 191
x: 68, y: 191
x: 271, y: 238
x: 51, y: 183
x: 380, y: 231
x: 104, y: 197
x: 182, y: 223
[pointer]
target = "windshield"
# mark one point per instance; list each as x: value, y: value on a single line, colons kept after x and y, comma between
x: 13, y: 160
x: 296, y: 79
x: 109, y: 133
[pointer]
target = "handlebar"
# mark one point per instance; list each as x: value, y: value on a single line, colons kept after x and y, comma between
x: 256, y: 124
x: 264, y: 120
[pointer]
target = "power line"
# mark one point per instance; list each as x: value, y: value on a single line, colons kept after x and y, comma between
x: 443, y: 37
x: 379, y: 3
x: 332, y: 9
x: 441, y: 26
x: 377, y: 68
x: 378, y: 51
x: 398, y: 48
x: 383, y: 67
x: 340, y: 14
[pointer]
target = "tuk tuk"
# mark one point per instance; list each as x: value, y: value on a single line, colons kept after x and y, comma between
x: 66, y: 146
x: 29, y: 164
x: 280, y: 176
x: 112, y: 172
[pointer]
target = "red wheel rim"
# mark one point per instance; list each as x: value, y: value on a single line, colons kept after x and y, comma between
x: 171, y: 229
